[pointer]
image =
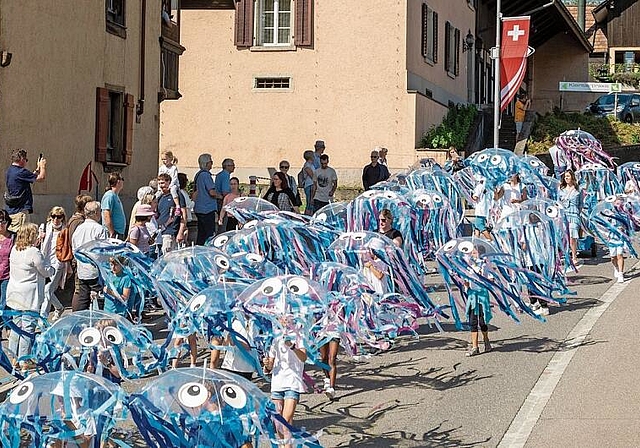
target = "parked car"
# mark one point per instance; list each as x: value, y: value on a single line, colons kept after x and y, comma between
x: 627, y: 110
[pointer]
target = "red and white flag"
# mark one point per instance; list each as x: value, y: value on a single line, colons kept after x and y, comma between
x: 513, y: 57
x: 86, y: 179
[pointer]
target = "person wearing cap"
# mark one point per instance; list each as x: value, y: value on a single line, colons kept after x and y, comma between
x: 319, y: 150
x: 374, y: 172
x: 205, y: 204
x: 139, y: 234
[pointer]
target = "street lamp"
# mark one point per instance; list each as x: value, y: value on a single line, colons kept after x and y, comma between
x: 467, y: 45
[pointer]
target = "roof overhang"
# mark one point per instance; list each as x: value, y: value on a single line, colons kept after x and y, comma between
x: 548, y: 18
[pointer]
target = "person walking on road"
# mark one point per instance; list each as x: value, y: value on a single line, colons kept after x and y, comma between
x: 478, y: 308
x: 571, y: 199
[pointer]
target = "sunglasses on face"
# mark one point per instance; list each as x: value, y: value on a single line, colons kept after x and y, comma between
x: 383, y: 219
x: 374, y: 157
x: 57, y: 216
x: 284, y: 167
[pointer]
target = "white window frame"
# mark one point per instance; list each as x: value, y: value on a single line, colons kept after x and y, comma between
x: 259, y: 28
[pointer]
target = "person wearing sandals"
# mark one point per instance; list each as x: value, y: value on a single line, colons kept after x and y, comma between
x: 478, y: 309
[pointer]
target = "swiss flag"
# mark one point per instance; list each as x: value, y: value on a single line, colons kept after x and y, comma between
x: 513, y: 57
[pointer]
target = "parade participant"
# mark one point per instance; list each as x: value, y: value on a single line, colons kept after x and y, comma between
x: 386, y: 227
x: 483, y: 198
x: 571, y: 199
x: 559, y: 159
x: 511, y: 194
x: 478, y: 309
x: 454, y: 161
x: 116, y: 300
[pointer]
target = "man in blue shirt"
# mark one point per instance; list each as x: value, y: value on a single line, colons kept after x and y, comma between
x: 205, y: 204
x: 18, y: 196
x: 113, y: 216
x: 223, y: 179
x: 172, y: 226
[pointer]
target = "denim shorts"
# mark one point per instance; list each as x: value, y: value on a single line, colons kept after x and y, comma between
x: 480, y: 223
x: 617, y: 250
x: 285, y: 395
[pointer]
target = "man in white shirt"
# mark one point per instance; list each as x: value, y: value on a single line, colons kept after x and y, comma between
x: 483, y: 199
x: 87, y: 275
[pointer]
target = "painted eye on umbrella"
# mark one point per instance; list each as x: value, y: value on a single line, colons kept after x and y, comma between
x: 222, y: 261
x: 298, y: 286
x: 358, y: 236
x: 321, y: 217
x: 255, y: 258
x: 611, y: 198
x: 450, y: 246
x: 197, y: 302
x: 193, y: 395
x: 483, y: 157
x: 220, y: 241
x: 495, y: 160
x: 271, y: 287
x: 552, y: 212
x: 234, y: 396
x: 534, y: 163
x: 437, y: 199
x: 423, y: 199
x: 240, y: 199
x: 113, y: 335
x: 369, y: 193
x: 250, y: 224
x: 89, y: 337
x: 465, y: 247
x: 390, y: 195
x: 21, y: 392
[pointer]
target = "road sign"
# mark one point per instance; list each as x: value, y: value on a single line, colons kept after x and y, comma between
x: 608, y: 87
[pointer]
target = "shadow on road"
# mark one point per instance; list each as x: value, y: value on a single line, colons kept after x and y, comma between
x: 534, y: 345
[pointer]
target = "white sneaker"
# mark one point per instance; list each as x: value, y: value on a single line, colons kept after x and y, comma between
x: 56, y: 315
x: 535, y: 306
x: 620, y: 277
x: 615, y: 272
x: 326, y: 384
x: 330, y: 392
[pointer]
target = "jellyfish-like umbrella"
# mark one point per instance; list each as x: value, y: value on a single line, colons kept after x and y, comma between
x: 247, y: 208
x: 581, y: 148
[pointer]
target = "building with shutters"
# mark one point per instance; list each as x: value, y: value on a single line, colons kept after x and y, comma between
x: 263, y: 79
x: 84, y: 85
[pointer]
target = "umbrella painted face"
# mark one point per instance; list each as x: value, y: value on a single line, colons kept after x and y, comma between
x: 194, y: 407
x: 72, y: 341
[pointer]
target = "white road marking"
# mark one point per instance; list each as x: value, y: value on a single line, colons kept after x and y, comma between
x: 530, y: 411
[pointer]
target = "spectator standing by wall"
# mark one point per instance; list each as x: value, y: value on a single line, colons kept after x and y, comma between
x: 25, y: 291
x: 229, y: 222
x: 319, y: 150
x: 291, y: 181
x: 55, y: 223
x: 325, y: 182
x: 87, y: 274
x: 280, y: 195
x: 7, y: 240
x: 205, y: 204
x: 113, y: 215
x: 18, y: 195
x: 374, y: 172
x: 222, y: 180
x: 307, y: 181
x: 172, y: 226
x: 169, y: 167
x: 522, y: 105
x: 382, y: 151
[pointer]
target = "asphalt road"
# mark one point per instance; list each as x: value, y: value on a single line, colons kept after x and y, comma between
x: 424, y: 392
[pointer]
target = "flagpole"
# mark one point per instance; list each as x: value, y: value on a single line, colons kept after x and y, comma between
x: 496, y: 77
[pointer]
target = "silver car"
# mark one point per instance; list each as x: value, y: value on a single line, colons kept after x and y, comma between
x: 627, y: 110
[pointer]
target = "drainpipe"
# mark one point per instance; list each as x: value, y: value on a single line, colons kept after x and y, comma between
x: 143, y: 45
x: 581, y: 14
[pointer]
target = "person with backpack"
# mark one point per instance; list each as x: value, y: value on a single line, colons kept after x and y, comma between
x: 49, y: 232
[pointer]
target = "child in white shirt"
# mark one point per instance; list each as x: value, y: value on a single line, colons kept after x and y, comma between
x: 169, y: 167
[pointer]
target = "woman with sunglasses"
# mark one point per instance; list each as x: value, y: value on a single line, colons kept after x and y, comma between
x: 386, y: 227
x: 49, y: 235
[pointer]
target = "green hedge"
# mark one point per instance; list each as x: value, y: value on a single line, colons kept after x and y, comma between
x: 610, y: 132
x: 454, y: 129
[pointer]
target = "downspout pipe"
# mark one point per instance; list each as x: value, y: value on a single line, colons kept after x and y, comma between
x: 582, y: 14
x: 143, y: 47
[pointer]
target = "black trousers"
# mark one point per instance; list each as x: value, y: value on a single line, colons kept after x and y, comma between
x: 206, y: 226
x: 82, y: 294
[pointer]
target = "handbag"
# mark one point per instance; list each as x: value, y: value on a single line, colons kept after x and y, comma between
x: 13, y: 201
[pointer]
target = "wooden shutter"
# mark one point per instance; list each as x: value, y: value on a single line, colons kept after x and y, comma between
x: 303, y: 36
x: 129, y: 112
x: 243, y: 36
x: 435, y: 37
x: 456, y: 53
x: 102, y: 123
x: 425, y: 30
x: 447, y: 46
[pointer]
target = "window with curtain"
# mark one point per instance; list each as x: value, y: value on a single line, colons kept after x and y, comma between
x: 273, y: 22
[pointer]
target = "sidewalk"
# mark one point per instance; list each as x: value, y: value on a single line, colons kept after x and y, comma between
x: 597, y: 399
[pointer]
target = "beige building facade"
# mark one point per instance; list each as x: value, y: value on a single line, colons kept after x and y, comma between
x: 83, y: 85
x: 380, y: 75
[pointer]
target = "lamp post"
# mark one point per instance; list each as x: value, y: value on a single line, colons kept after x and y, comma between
x: 495, y: 55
